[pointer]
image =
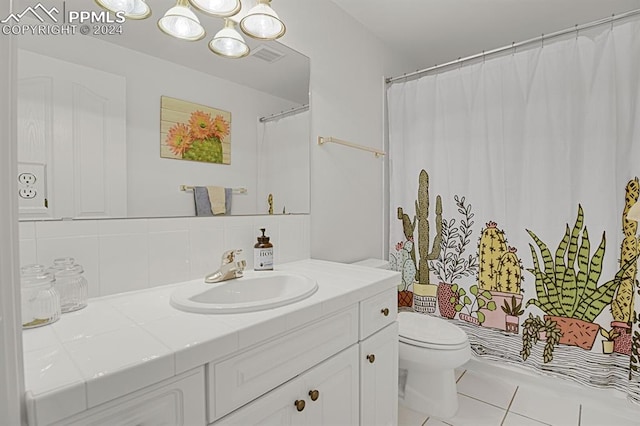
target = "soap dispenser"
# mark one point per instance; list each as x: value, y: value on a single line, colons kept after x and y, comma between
x: 263, y: 253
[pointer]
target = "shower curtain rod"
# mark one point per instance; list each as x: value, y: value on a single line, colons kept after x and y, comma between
x: 539, y: 39
x: 292, y: 111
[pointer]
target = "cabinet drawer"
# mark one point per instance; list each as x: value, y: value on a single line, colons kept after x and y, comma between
x: 240, y: 379
x: 377, y: 312
x: 176, y: 401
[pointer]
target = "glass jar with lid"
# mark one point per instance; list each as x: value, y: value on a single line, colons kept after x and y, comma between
x: 70, y: 283
x: 40, y: 300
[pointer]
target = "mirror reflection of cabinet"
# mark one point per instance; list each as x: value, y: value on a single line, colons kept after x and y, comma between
x: 71, y: 120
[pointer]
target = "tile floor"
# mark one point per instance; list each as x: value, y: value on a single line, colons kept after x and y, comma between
x: 510, y: 400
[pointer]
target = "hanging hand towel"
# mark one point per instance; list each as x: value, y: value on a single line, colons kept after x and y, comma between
x: 201, y: 199
x: 217, y: 198
x: 227, y: 200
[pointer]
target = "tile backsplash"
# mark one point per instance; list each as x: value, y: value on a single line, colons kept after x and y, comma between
x: 121, y: 255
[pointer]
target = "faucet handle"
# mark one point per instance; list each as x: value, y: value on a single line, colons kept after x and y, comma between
x: 229, y: 256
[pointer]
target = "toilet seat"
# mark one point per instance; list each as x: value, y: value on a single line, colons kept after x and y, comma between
x: 430, y: 332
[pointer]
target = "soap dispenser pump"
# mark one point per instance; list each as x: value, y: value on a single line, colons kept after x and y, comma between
x: 263, y: 253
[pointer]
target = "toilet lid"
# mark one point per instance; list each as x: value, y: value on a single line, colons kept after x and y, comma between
x: 420, y: 329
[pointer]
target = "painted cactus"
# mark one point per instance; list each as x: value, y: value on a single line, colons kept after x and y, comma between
x: 407, y: 228
x: 401, y: 261
x: 567, y: 283
x: 622, y: 305
x: 422, y: 214
x: 491, y: 248
x: 509, y: 274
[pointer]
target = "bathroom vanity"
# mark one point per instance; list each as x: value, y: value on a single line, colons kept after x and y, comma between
x: 133, y: 359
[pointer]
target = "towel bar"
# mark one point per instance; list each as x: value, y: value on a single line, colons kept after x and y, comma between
x: 235, y: 190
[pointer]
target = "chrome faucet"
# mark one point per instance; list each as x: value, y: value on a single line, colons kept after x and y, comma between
x: 230, y: 268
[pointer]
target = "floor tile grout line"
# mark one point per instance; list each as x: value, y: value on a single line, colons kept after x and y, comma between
x: 506, y: 413
x: 478, y: 399
x: 580, y: 415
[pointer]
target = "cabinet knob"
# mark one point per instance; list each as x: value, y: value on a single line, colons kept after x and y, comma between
x: 314, y: 394
x: 385, y: 312
x: 299, y: 404
x: 371, y: 358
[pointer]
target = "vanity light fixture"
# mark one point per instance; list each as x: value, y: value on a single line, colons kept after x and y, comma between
x: 181, y: 22
x: 133, y: 9
x: 262, y: 22
x: 228, y: 42
x: 221, y: 8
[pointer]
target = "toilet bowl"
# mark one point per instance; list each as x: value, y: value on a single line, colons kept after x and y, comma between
x: 430, y: 349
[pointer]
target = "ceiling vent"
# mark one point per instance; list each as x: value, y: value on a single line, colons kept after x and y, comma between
x: 267, y: 54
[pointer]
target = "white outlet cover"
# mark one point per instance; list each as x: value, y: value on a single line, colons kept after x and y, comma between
x: 31, y: 190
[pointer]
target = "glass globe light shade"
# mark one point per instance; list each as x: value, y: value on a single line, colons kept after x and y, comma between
x: 182, y: 23
x: 221, y: 8
x: 228, y: 42
x: 262, y: 22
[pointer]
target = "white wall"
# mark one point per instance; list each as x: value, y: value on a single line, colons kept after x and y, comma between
x: 11, y: 379
x: 348, y: 66
x: 153, y: 182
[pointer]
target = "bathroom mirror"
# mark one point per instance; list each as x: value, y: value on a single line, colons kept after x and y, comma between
x: 90, y: 124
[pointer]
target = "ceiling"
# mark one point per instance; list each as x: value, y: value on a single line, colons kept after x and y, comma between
x: 430, y: 32
x: 286, y: 77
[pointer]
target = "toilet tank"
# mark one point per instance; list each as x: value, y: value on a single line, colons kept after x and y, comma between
x: 374, y: 263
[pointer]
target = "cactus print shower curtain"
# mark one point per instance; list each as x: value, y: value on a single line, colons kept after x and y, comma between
x: 510, y: 181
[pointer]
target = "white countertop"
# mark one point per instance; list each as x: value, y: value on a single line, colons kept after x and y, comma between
x: 121, y: 343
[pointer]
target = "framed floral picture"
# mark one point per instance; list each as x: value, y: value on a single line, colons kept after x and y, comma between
x: 194, y: 132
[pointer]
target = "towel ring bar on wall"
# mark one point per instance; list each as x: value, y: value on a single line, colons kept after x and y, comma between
x: 235, y: 190
x: 322, y: 140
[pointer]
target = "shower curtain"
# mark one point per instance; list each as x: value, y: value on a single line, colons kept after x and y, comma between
x: 510, y: 179
x: 283, y: 165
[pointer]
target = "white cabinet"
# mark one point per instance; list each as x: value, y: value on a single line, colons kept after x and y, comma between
x: 357, y: 386
x: 325, y: 395
x: 379, y: 377
x: 178, y: 401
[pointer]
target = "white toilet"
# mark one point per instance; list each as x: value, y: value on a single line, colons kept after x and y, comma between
x: 430, y: 349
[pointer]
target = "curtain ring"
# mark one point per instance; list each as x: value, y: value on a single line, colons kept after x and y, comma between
x: 577, y: 31
x: 542, y: 40
x: 612, y: 17
x: 459, y: 62
x: 483, y: 57
x: 513, y: 46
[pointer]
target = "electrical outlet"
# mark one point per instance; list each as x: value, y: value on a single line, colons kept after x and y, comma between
x: 27, y: 193
x: 32, y: 190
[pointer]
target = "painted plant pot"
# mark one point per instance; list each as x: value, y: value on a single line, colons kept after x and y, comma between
x: 405, y: 298
x: 468, y: 318
x: 576, y: 332
x: 445, y: 305
x: 512, y: 324
x: 622, y: 343
x: 424, y: 298
x: 497, y: 317
x: 607, y: 346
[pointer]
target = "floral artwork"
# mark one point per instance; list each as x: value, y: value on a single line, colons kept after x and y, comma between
x: 194, y: 132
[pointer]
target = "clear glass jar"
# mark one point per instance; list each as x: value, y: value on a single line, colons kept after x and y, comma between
x: 40, y: 300
x: 70, y: 283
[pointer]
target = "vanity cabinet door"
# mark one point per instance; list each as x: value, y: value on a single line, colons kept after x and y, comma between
x: 331, y: 390
x: 379, y: 378
x: 276, y: 408
x: 325, y: 395
x: 176, y: 401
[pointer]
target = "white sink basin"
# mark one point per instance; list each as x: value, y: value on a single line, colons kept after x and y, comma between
x: 255, y: 291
